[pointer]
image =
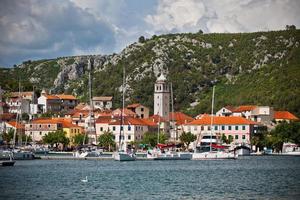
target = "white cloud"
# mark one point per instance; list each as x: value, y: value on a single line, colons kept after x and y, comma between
x: 223, y: 16
x: 45, y: 29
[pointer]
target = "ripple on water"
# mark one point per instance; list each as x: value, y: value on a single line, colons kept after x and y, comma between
x: 246, y: 178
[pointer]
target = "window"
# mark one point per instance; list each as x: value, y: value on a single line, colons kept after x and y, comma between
x: 244, y: 128
x: 30, y: 133
x: 40, y: 133
x: 121, y: 128
x: 142, y: 109
x: 114, y: 128
x: 195, y: 128
x: 40, y: 126
x: 48, y: 125
x: 236, y: 128
x: 30, y: 126
x: 223, y: 128
x: 129, y: 137
x: 129, y: 128
x: 142, y: 116
x: 71, y: 130
x: 101, y: 128
x: 236, y: 137
x: 202, y: 128
x: 229, y: 128
x: 208, y: 128
x: 244, y: 137
x: 216, y: 128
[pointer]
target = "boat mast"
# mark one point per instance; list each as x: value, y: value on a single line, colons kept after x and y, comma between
x: 91, y: 125
x: 122, y: 111
x: 172, y: 108
x: 212, y: 116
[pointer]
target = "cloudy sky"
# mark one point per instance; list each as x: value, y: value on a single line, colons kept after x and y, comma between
x: 36, y: 29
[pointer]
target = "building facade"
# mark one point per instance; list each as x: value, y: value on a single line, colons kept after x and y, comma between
x: 140, y: 110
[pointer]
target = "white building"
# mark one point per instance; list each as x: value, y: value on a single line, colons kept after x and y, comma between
x: 104, y: 102
x: 49, y: 103
x: 133, y: 128
x: 162, y: 98
x: 239, y: 128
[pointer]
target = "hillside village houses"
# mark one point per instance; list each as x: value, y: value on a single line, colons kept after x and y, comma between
x: 239, y: 122
x: 103, y: 102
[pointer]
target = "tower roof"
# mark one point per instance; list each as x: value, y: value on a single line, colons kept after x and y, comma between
x: 161, y: 77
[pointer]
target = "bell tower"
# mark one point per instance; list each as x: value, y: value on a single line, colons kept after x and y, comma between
x: 162, y: 97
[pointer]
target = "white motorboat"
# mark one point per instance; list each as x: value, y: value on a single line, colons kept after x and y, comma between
x: 124, y: 156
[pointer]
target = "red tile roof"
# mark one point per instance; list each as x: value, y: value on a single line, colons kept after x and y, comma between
x: 180, y: 118
x: 285, y: 115
x: 157, y: 118
x: 127, y: 112
x: 103, y: 120
x: 244, y: 108
x: 50, y: 96
x: 66, y: 96
x: 206, y: 120
x: 7, y: 116
x: 132, y: 121
x: 135, y: 105
x: 16, y: 124
x: 66, y: 122
x: 103, y: 98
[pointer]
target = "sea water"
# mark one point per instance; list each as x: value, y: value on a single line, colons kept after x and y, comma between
x: 255, y: 177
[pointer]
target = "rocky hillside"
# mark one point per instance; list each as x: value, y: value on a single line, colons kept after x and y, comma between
x: 247, y: 68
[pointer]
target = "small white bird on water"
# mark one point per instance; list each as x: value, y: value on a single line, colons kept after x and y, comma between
x: 84, y: 180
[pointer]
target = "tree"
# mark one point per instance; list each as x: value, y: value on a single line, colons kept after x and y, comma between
x: 230, y: 139
x: 200, y: 31
x: 25, y: 116
x: 290, y: 27
x: 106, y: 140
x: 151, y: 138
x: 8, y: 136
x: 187, y: 138
x: 56, y: 138
x: 141, y: 39
x: 79, y: 139
x: 224, y: 139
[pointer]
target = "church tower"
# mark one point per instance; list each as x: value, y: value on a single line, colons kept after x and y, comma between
x: 162, y: 97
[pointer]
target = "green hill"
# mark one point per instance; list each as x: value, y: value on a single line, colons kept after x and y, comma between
x: 260, y: 68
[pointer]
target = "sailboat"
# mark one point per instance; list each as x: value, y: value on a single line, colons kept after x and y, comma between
x: 123, y: 153
x: 19, y: 154
x: 215, y: 151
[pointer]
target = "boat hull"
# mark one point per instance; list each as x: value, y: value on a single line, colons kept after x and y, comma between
x: 122, y: 156
x: 213, y: 156
x: 7, y: 163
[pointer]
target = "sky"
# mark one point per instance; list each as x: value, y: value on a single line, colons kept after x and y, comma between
x: 39, y: 29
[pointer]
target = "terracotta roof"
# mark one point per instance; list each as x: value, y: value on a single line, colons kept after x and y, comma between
x: 127, y: 112
x: 82, y: 106
x: 103, y: 98
x: 135, y: 105
x: 16, y: 94
x: 82, y: 113
x: 16, y: 124
x: 66, y: 96
x: 103, y: 120
x: 7, y: 116
x: 50, y: 96
x: 231, y: 108
x: 180, y: 118
x: 66, y: 122
x: 285, y: 115
x: 132, y: 121
x: 244, y: 108
x: 206, y: 120
x: 157, y: 118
